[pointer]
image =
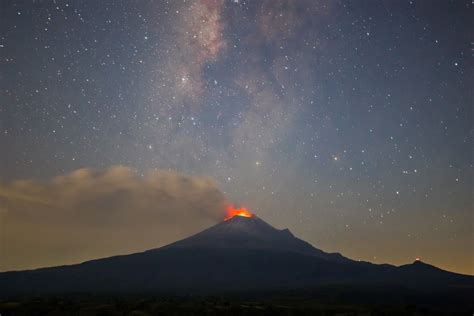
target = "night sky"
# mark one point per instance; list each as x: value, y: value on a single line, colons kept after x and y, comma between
x: 349, y: 122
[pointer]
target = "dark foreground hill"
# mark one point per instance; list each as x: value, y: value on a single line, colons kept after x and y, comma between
x: 238, y: 256
x: 223, y: 305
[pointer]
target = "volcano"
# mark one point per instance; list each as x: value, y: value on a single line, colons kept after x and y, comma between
x: 239, y: 254
x: 253, y: 234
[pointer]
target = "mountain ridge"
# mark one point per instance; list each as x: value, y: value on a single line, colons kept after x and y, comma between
x: 239, y: 254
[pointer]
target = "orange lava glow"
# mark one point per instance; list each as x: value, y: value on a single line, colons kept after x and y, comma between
x: 232, y: 211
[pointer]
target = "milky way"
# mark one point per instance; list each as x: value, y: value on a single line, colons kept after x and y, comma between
x: 349, y: 122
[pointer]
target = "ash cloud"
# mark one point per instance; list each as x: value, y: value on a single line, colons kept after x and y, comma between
x: 88, y: 214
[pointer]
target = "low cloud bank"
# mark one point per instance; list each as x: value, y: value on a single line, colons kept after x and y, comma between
x: 89, y: 214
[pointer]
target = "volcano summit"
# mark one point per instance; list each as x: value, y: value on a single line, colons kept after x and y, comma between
x: 239, y: 254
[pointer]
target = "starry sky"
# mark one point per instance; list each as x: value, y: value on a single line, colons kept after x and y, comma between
x: 349, y: 122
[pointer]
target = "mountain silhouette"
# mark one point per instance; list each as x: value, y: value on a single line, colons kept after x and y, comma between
x: 240, y: 254
x: 251, y: 233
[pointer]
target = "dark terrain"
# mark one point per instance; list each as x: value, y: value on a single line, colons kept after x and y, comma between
x: 336, y: 303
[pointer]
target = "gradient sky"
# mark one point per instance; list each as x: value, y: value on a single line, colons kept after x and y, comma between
x: 349, y: 122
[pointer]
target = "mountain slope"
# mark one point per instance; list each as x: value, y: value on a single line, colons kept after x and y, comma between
x: 251, y: 233
x: 236, y: 255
